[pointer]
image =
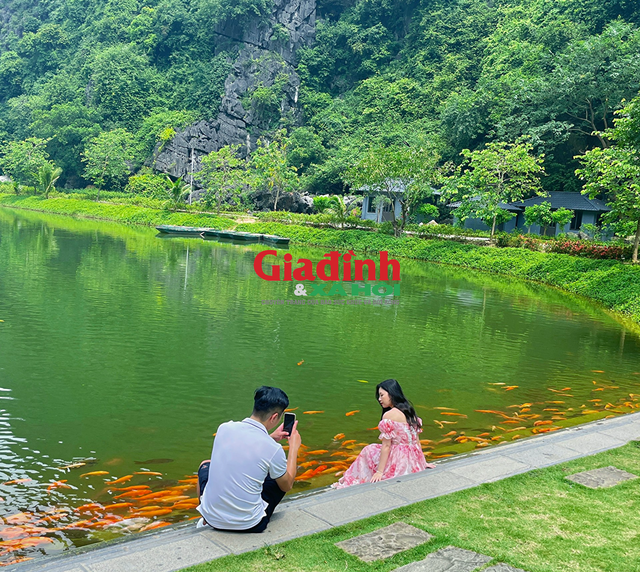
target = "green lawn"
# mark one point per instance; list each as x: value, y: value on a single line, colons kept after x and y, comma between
x: 537, y: 521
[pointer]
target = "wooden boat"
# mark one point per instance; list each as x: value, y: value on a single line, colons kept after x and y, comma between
x: 273, y: 239
x: 226, y: 234
x: 183, y: 230
x: 247, y: 236
x: 210, y: 233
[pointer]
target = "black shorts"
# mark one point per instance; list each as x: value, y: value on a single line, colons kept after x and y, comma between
x: 271, y: 494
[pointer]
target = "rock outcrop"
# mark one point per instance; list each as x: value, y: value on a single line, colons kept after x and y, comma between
x: 261, y: 92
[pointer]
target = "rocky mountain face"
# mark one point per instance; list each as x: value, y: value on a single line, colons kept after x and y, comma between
x: 261, y: 92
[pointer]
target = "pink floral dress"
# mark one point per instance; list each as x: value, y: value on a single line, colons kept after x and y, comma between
x: 405, y: 457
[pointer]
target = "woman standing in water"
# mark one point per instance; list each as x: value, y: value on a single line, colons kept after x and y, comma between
x: 400, y: 452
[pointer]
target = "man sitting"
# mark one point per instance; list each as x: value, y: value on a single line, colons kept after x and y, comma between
x: 249, y: 474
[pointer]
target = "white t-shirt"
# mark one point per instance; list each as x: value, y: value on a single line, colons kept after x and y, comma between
x: 243, y: 454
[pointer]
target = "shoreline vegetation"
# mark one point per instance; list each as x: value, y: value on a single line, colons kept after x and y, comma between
x: 612, y: 283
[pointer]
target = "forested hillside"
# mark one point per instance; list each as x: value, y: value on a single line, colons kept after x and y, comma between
x: 458, y: 74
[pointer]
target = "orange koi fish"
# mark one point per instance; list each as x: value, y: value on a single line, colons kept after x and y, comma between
x: 443, y: 456
x: 300, y: 362
x: 318, y: 470
x: 308, y: 464
x: 350, y: 413
x: 426, y: 441
x: 157, y: 495
x: 331, y: 470
x: 151, y: 473
x: 448, y: 440
x: 518, y: 429
x: 348, y: 442
x: 154, y: 525
x: 58, y: 485
x: 450, y: 433
x: 291, y: 409
x: 362, y: 380
x: 92, y: 506
x: 133, y: 488
x: 453, y: 414
x: 339, y: 454
x: 516, y: 437
x: 597, y: 371
x: 446, y: 408
x: 16, y: 482
x: 94, y: 474
x: 339, y: 437
x: 122, y: 479
x: 159, y: 512
x: 118, y: 505
x: 131, y: 494
x: 555, y: 402
x: 311, y: 412
x: 484, y: 434
x: 510, y: 387
x: 318, y: 452
x: 538, y: 423
x: 438, y: 423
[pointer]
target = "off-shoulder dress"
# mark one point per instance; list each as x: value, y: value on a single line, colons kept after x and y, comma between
x: 405, y: 457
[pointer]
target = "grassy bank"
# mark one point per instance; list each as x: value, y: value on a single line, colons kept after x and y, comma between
x: 615, y: 285
x: 536, y: 521
x: 130, y: 214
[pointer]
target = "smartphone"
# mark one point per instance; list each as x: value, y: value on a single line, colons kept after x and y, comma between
x: 289, y: 420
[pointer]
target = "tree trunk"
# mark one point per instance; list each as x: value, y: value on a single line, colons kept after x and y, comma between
x: 636, y: 242
x: 493, y: 228
x: 275, y: 203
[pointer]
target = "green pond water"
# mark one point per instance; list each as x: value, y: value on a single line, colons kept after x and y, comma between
x: 129, y: 350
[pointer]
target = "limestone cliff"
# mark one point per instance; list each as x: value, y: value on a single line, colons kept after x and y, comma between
x: 261, y: 92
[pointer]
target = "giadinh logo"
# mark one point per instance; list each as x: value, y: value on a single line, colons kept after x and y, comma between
x: 384, y: 270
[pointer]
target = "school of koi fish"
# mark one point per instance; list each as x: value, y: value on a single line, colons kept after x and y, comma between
x: 147, y: 500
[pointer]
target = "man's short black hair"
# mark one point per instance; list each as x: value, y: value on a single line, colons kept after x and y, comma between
x: 267, y: 400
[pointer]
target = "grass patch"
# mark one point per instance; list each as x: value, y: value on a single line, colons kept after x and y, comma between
x: 537, y: 521
x: 130, y: 214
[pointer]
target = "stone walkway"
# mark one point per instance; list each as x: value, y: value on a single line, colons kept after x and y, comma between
x: 176, y: 547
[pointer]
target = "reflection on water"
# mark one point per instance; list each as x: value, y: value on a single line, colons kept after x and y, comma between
x: 121, y: 353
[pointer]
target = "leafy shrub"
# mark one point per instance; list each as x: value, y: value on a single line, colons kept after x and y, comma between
x: 591, y: 249
x: 148, y: 184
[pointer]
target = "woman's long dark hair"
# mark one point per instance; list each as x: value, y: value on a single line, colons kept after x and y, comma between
x: 399, y: 401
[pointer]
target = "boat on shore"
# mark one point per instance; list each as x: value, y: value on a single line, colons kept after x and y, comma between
x: 248, y: 236
x: 181, y: 230
x: 210, y: 233
x: 273, y: 239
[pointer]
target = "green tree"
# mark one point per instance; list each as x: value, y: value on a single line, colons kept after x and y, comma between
x: 542, y: 215
x: 271, y: 169
x: 48, y: 175
x: 22, y: 160
x: 615, y: 171
x: 108, y: 159
x: 489, y: 178
x: 223, y: 173
x: 177, y: 192
x: 404, y: 174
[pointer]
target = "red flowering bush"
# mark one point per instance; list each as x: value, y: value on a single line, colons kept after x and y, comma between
x: 591, y: 249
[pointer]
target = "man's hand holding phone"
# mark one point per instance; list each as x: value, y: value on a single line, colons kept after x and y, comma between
x: 295, y: 440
